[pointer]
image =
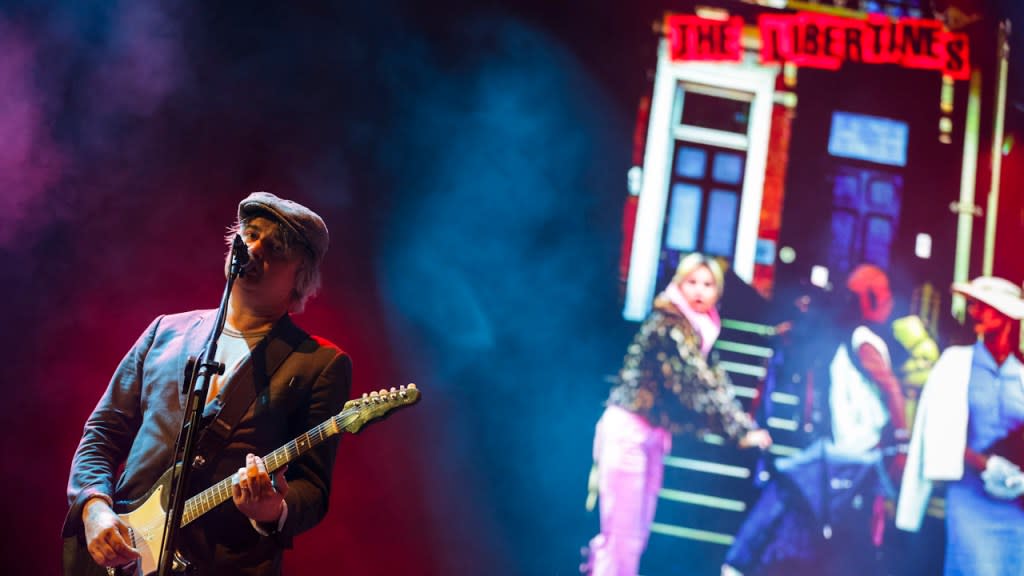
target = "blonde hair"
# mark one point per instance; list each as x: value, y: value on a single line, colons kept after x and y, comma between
x: 691, y: 262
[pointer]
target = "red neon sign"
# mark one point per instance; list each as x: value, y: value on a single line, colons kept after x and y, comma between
x: 696, y: 38
x: 824, y: 41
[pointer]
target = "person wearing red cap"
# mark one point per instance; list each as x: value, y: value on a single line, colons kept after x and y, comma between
x: 294, y: 381
x: 864, y: 395
x: 865, y: 412
x: 968, y: 433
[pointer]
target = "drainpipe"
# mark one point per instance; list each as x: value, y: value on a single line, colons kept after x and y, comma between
x: 965, y: 209
x: 992, y: 211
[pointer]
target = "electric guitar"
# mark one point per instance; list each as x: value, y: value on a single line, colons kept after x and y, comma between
x: 146, y: 516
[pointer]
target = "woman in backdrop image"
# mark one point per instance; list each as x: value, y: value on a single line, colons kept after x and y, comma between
x: 969, y: 432
x: 668, y: 385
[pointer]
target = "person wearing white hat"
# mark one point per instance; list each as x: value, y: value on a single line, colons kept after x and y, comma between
x: 971, y: 404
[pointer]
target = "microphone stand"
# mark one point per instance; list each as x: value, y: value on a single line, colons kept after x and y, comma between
x: 197, y: 380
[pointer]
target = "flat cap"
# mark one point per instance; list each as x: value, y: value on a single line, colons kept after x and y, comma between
x: 309, y: 227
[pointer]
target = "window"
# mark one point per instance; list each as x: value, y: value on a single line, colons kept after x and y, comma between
x: 703, y: 203
x: 720, y: 233
x: 727, y: 168
x: 715, y: 112
x: 871, y: 138
x: 844, y: 237
x: 691, y: 162
x: 878, y: 238
x: 683, y: 217
x: 865, y: 216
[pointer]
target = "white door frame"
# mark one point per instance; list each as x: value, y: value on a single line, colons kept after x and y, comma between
x: 662, y: 132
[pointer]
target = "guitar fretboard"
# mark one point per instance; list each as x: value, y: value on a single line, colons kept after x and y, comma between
x: 213, y: 496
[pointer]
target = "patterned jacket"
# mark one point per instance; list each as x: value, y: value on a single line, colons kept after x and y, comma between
x: 666, y: 379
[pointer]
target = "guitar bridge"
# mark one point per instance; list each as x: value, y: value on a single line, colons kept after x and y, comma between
x: 179, y: 564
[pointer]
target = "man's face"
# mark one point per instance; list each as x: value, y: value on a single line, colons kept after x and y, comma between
x: 699, y: 290
x: 270, y: 273
x: 876, y: 304
x: 987, y: 320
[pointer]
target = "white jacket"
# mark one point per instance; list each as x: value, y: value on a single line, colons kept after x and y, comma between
x: 939, y: 437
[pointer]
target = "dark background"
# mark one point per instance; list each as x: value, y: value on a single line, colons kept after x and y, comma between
x: 470, y: 160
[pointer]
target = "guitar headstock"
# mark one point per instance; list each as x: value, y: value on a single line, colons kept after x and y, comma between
x: 374, y: 405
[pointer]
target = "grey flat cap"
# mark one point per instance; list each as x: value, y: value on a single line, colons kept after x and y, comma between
x: 301, y: 220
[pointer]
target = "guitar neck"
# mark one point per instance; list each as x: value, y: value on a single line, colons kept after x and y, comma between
x: 213, y: 496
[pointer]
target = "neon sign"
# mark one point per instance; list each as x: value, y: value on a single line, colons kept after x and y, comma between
x: 824, y: 41
x: 696, y: 38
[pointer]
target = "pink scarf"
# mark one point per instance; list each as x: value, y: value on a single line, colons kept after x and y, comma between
x: 708, y: 325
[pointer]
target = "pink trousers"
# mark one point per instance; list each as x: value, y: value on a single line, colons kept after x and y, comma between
x: 629, y: 452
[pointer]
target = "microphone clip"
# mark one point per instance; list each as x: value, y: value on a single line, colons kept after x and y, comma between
x: 239, y: 256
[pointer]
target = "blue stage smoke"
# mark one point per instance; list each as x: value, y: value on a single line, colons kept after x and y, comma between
x: 500, y: 256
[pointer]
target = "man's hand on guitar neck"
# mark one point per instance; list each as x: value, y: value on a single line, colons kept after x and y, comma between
x: 256, y: 496
x: 106, y: 536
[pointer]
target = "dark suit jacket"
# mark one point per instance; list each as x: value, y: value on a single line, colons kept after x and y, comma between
x: 136, y: 424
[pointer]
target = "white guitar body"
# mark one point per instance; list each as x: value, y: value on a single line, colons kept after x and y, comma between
x: 146, y: 521
x: 146, y: 526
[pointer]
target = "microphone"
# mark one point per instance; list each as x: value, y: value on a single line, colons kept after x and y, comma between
x: 239, y: 255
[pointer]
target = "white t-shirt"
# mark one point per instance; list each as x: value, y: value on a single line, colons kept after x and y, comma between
x: 233, y: 348
x: 858, y: 413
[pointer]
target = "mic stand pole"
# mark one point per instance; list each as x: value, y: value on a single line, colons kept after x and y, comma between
x: 197, y: 379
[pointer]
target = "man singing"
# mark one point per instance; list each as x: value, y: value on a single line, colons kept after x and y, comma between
x: 278, y: 379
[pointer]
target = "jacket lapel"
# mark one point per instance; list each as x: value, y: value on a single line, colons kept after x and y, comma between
x: 194, y: 345
x: 253, y: 375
